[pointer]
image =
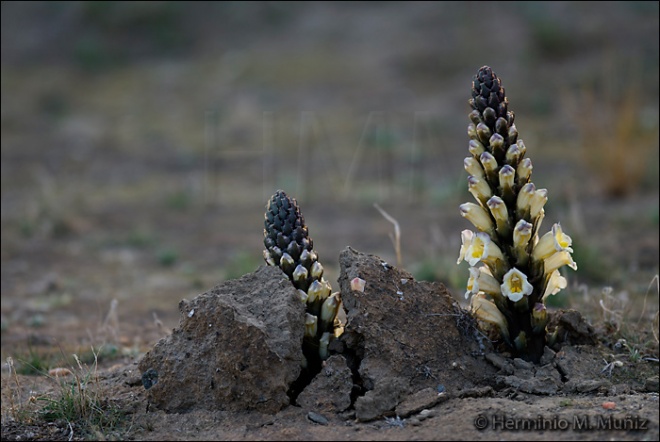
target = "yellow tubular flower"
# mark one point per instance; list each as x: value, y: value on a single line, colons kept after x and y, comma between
x: 522, y: 233
x: 557, y: 260
x: 482, y: 248
x: 478, y: 216
x: 554, y: 241
x: 466, y: 240
x: 481, y: 281
x: 556, y: 282
x: 515, y: 285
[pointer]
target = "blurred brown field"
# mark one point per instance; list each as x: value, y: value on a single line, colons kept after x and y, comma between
x: 141, y: 141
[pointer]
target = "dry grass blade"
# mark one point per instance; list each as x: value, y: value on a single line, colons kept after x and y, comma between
x: 396, y: 239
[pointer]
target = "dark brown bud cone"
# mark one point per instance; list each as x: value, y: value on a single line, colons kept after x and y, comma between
x: 285, y: 233
x: 289, y: 247
x: 493, y: 123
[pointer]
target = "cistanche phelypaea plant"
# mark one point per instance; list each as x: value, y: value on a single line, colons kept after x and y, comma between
x: 513, y: 270
x: 289, y: 246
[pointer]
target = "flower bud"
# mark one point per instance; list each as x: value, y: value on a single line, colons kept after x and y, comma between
x: 489, y: 116
x: 473, y: 167
x: 524, y: 200
x: 486, y: 311
x: 490, y: 166
x: 501, y: 126
x: 478, y: 216
x: 537, y: 202
x: 317, y: 270
x: 496, y: 142
x: 300, y: 276
x: 287, y: 264
x: 523, y: 172
x: 479, y: 189
x: 323, y: 345
x: 472, y: 131
x: 269, y: 259
x: 483, y: 132
x: 513, y: 155
x: 513, y: 134
x: 500, y: 213
x: 316, y: 291
x: 476, y: 148
x: 539, y: 318
x: 329, y: 311
x: 522, y: 233
x: 507, y: 175
x: 310, y: 325
x: 475, y: 117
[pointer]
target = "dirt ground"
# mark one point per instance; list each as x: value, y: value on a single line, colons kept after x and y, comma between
x: 140, y: 144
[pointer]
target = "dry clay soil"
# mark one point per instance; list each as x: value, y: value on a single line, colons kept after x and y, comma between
x: 409, y: 366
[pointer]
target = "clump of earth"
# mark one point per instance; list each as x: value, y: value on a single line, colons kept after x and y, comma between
x: 407, y: 350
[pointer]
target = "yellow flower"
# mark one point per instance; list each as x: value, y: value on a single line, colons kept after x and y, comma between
x: 466, y: 240
x: 515, y: 285
x: 482, y: 248
x: 554, y: 241
x: 481, y: 281
x: 557, y: 260
x: 556, y: 282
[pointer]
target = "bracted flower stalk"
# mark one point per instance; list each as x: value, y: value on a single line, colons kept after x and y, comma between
x: 513, y: 270
x: 289, y: 247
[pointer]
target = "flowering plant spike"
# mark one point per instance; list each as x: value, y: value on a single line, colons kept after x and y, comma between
x: 513, y: 269
x: 289, y: 247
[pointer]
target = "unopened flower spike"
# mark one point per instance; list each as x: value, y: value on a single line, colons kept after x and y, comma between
x: 289, y: 247
x: 513, y: 269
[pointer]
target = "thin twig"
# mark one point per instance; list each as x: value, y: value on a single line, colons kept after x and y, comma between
x: 396, y: 241
x: 657, y: 283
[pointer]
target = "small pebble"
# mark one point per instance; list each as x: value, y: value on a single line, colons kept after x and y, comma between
x: 59, y: 372
x: 358, y: 284
x: 317, y: 418
x: 609, y: 405
x: 441, y: 388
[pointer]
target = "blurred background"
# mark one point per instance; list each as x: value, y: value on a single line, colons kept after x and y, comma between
x: 142, y: 140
